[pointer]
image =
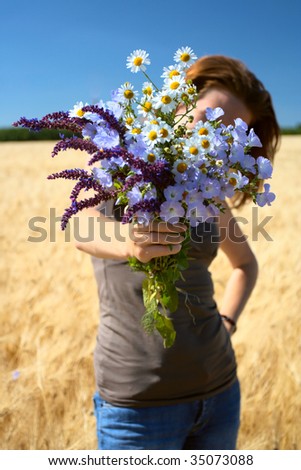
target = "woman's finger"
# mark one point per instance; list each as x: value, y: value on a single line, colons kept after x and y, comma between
x: 145, y: 254
x: 158, y: 238
x: 159, y: 226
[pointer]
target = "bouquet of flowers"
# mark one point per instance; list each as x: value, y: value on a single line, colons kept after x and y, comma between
x: 146, y: 157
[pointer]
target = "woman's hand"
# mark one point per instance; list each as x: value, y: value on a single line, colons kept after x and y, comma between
x: 156, y: 239
x: 104, y: 237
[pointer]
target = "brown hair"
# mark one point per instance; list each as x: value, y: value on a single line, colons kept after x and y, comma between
x: 231, y: 74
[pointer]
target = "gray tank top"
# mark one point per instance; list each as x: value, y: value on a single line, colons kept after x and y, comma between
x: 133, y: 368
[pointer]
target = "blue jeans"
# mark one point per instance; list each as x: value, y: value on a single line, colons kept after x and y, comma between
x: 210, y: 424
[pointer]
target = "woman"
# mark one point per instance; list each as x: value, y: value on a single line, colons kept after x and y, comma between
x: 187, y: 396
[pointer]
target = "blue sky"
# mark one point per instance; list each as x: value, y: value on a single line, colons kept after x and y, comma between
x: 57, y: 52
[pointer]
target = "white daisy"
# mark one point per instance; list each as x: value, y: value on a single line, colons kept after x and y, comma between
x: 145, y: 108
x: 172, y: 71
x: 165, y: 132
x: 133, y: 131
x: 129, y: 121
x: 185, y: 56
x: 147, y: 89
x: 126, y: 93
x: 151, y: 134
x: 180, y: 167
x: 152, y: 156
x: 189, y: 93
x: 192, y: 148
x: 203, y: 129
x: 77, y: 110
x: 174, y: 85
x: 206, y: 143
x: 165, y: 102
x: 138, y: 60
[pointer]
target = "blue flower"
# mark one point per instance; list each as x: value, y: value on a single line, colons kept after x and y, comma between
x: 173, y: 193
x: 226, y: 190
x: 144, y: 217
x: 220, y: 147
x: 113, y: 163
x: 104, y: 178
x: 239, y: 133
x: 210, y: 188
x: 253, y: 139
x: 150, y: 194
x: 266, y: 197
x: 171, y: 211
x: 114, y: 108
x: 90, y: 130
x: 241, y: 125
x: 213, y: 114
x: 138, y: 147
x: 134, y: 196
x: 196, y: 213
x: 238, y: 155
x: 265, y: 168
x: 106, y: 138
x: 193, y: 196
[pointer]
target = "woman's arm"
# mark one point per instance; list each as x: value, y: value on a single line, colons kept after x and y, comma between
x: 245, y: 268
x: 104, y: 237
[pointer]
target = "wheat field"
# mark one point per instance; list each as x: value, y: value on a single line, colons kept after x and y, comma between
x: 49, y: 310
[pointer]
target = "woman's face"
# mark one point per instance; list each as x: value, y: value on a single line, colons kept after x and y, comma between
x: 217, y: 97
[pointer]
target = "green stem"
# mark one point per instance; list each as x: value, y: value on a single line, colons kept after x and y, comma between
x: 149, y: 79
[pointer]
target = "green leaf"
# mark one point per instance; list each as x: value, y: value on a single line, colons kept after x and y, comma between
x: 166, y: 329
x: 170, y: 297
x: 151, y: 308
x: 182, y: 261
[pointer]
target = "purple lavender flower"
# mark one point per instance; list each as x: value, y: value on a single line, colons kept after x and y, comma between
x: 57, y: 120
x: 150, y: 206
x: 75, y: 143
x: 85, y: 182
x: 108, y: 154
x: 108, y: 117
